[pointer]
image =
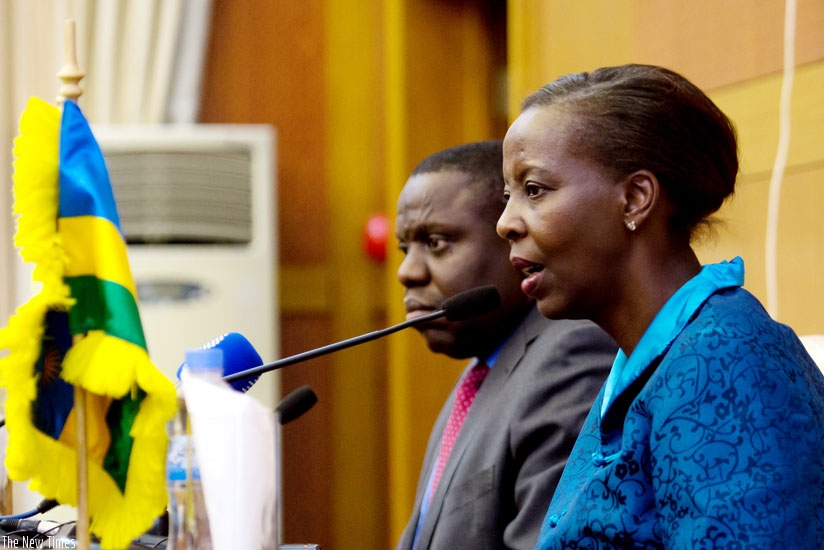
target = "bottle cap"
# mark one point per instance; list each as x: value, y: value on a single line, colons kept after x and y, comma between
x: 204, y: 359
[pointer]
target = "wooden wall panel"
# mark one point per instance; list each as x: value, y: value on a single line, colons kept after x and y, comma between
x: 799, y: 248
x: 451, y: 66
x: 712, y: 43
x: 722, y: 43
x: 753, y: 106
x: 265, y: 65
x: 548, y: 38
x: 801, y: 252
x: 306, y: 442
x: 353, y: 180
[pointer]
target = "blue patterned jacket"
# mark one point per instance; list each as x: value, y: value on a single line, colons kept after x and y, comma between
x: 714, y: 440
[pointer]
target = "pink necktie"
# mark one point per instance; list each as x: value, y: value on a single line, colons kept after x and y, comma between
x: 464, y: 397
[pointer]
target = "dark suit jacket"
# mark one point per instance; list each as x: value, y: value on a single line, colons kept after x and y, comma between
x: 509, y: 455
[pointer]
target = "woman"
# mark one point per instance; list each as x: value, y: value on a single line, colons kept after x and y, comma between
x: 709, y: 432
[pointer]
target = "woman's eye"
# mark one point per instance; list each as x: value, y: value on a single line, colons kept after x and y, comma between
x: 506, y: 196
x: 533, y: 190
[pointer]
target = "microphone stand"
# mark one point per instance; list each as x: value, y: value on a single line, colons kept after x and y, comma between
x: 368, y: 337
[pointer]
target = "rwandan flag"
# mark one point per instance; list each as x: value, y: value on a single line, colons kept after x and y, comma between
x: 82, y: 328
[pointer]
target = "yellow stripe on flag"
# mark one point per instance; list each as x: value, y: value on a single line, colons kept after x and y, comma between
x: 98, y: 437
x: 94, y: 246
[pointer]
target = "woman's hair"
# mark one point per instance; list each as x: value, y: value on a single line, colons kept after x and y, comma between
x: 635, y: 117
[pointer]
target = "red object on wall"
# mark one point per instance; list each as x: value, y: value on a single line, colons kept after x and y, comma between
x: 375, y: 234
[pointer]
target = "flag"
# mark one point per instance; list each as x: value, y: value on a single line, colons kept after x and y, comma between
x: 80, y: 329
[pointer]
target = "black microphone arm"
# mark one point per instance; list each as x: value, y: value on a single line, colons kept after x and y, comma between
x: 466, y: 305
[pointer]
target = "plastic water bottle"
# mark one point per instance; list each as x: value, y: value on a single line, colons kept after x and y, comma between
x: 188, y: 520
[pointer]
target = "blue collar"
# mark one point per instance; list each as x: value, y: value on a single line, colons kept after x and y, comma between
x: 668, y: 324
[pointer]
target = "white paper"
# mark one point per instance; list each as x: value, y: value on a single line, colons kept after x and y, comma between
x: 234, y: 438
x: 815, y: 347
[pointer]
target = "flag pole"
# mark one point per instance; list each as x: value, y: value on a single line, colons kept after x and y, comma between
x: 71, y: 74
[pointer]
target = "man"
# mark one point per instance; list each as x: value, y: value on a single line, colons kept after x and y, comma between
x: 492, y: 489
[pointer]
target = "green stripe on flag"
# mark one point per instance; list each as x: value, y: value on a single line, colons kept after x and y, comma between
x: 120, y: 418
x: 105, y: 306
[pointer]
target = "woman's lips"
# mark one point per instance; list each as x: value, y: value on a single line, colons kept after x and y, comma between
x: 532, y: 273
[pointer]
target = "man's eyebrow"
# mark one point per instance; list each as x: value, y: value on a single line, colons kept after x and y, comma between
x: 436, y: 227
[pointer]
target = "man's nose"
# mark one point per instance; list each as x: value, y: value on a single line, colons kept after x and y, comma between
x: 413, y: 270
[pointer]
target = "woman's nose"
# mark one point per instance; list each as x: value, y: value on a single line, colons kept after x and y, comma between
x: 510, y: 226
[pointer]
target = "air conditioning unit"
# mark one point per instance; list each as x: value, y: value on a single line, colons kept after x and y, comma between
x: 197, y: 209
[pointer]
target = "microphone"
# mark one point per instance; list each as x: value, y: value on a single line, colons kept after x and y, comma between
x: 466, y: 305
x: 295, y: 404
x: 238, y: 355
x: 41, y: 527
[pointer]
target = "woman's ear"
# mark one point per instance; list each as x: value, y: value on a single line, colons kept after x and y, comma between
x: 641, y: 193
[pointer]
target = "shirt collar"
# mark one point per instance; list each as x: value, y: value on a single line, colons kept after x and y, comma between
x: 493, y: 356
x: 669, y: 322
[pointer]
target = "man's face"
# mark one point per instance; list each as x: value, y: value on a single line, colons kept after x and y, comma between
x: 446, y: 231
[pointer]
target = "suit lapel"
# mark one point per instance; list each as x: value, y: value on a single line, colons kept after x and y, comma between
x: 515, y: 348
x: 507, y: 361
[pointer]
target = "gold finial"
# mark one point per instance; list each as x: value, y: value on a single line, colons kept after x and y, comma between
x: 70, y: 72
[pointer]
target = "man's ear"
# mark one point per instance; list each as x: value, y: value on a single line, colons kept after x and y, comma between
x: 641, y: 193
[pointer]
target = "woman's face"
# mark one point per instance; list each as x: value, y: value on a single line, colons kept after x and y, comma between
x: 564, y: 218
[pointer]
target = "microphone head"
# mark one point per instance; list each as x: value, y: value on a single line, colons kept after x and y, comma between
x: 472, y: 303
x: 295, y: 404
x: 238, y: 355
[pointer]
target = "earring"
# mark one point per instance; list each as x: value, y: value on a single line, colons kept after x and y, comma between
x: 630, y: 225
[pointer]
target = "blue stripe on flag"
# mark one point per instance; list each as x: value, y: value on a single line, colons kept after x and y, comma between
x: 85, y: 189
x: 55, y: 396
